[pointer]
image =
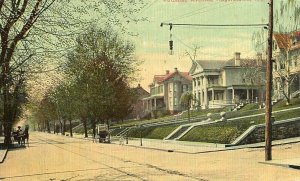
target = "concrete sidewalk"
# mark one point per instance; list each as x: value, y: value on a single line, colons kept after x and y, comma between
x: 196, y: 147
x: 185, y: 146
x: 193, y: 148
x: 288, y: 163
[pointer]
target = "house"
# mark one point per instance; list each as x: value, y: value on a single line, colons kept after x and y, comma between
x: 166, y: 91
x: 138, y: 108
x: 286, y: 66
x: 219, y: 83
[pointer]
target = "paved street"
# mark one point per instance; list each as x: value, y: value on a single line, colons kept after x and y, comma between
x: 54, y: 157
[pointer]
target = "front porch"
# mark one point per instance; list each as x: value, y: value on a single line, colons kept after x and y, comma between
x: 153, y: 103
x: 220, y: 97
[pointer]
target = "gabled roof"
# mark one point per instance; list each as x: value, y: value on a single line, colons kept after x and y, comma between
x: 211, y: 64
x: 140, y: 91
x: 158, y: 78
x: 186, y: 75
x: 283, y: 40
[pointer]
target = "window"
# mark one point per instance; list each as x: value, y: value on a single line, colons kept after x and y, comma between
x: 175, y: 87
x: 184, y: 88
x: 175, y: 101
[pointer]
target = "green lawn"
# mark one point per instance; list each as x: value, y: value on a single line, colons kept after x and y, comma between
x: 249, y: 107
x: 222, y: 132
x: 158, y: 132
x: 226, y: 132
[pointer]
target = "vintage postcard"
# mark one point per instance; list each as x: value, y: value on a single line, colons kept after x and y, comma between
x: 152, y: 90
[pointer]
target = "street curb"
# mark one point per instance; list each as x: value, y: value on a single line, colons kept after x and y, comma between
x: 176, y: 151
x: 228, y: 148
x: 4, y: 156
x: 281, y: 165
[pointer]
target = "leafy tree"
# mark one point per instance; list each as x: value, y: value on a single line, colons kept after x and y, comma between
x: 253, y: 72
x: 186, y: 102
x: 34, y: 32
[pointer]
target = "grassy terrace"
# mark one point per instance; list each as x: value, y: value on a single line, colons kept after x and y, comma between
x: 158, y: 132
x: 226, y: 132
x: 183, y: 116
x: 222, y: 132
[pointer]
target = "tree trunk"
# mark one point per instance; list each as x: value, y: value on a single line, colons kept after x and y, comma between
x: 48, y: 126
x: 61, y: 127
x: 1, y: 129
x: 64, y: 127
x: 54, y: 128
x: 288, y: 100
x: 94, y: 128
x: 71, y: 132
x: 6, y: 117
x: 84, y: 127
x: 108, y: 127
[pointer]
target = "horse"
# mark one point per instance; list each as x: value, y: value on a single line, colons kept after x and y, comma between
x: 24, y: 135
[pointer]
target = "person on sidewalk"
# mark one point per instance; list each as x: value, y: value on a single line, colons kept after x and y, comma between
x: 19, y: 134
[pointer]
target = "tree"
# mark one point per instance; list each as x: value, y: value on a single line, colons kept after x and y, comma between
x: 286, y: 20
x: 34, y: 32
x: 186, y: 102
x: 253, y: 72
x: 99, y: 71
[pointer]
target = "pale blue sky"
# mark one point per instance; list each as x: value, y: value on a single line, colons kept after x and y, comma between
x: 216, y: 43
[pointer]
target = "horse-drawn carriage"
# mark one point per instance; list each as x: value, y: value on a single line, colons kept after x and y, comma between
x: 102, y: 130
x: 20, y: 136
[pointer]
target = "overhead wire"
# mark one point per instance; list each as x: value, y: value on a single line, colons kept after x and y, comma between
x: 196, y: 11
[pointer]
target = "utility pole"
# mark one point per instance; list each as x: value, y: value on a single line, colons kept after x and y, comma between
x: 268, y: 129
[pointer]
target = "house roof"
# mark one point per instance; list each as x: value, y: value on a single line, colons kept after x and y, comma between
x: 140, y: 91
x: 186, y: 75
x: 244, y: 62
x: 158, y: 78
x: 211, y: 64
x: 283, y: 40
x: 161, y: 78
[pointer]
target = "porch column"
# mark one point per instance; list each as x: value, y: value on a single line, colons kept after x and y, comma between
x: 199, y: 98
x: 212, y: 95
x: 247, y: 94
x: 205, y: 98
x: 232, y: 95
x: 154, y: 103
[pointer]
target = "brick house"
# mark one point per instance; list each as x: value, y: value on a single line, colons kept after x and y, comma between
x: 166, y: 91
x: 137, y: 107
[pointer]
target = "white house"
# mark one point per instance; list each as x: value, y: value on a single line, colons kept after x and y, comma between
x: 286, y: 55
x: 218, y: 83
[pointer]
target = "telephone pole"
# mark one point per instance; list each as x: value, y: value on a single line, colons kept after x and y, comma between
x: 268, y: 129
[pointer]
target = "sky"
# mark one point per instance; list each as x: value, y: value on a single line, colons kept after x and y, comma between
x: 215, y: 43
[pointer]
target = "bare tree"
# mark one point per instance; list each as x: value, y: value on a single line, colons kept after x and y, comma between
x: 33, y: 32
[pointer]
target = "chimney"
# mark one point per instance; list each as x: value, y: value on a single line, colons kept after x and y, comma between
x: 259, y: 58
x: 167, y: 72
x: 237, y: 59
x: 175, y: 69
x: 139, y: 85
